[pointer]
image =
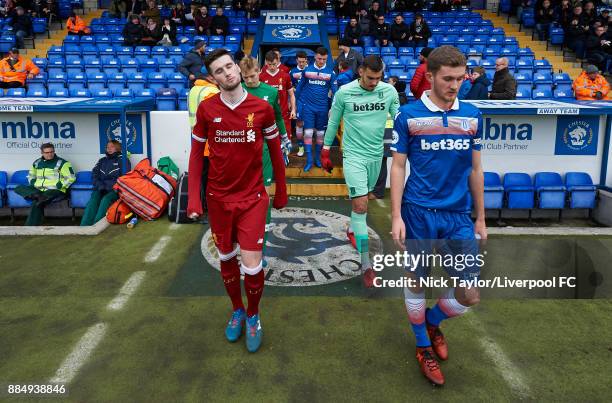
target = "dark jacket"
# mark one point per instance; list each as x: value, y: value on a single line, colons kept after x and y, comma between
x: 381, y: 32
x: 203, y: 22
x: 593, y: 45
x: 354, y: 60
x: 352, y: 33
x: 480, y: 88
x: 132, y: 34
x: 422, y: 30
x: 192, y: 64
x: 106, y: 172
x: 170, y: 31
x: 219, y: 22
x: 504, y: 85
x: 397, y: 30
x: 22, y: 23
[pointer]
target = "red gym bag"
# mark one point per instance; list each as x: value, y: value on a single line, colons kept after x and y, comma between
x: 146, y: 190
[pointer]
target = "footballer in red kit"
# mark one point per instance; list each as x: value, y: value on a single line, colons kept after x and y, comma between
x: 235, y: 124
x: 281, y: 80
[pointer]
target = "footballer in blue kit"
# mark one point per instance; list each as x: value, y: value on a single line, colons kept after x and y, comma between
x: 301, y: 60
x: 313, y: 91
x: 441, y: 139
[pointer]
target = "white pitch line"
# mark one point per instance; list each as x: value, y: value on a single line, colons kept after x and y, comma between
x: 174, y: 226
x: 381, y: 203
x: 79, y: 355
x: 130, y: 286
x: 157, y: 249
x: 511, y: 374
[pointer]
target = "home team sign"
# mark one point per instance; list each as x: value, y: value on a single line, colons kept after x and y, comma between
x: 284, y: 27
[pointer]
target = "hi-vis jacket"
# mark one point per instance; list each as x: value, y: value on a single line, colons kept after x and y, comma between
x: 55, y: 174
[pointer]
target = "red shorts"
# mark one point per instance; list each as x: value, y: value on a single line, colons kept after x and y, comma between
x: 242, y: 222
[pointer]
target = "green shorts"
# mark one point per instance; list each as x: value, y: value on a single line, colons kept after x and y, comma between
x: 360, y: 176
x: 268, y: 172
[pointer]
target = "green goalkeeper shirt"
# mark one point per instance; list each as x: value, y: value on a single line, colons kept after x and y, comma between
x: 270, y: 95
x: 365, y: 115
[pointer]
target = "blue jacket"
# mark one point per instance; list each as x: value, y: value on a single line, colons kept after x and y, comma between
x: 106, y: 172
x: 344, y: 78
x: 480, y: 88
x: 465, y: 89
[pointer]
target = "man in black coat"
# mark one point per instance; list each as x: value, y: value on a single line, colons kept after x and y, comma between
x: 220, y: 23
x: 352, y: 32
x: 400, y: 32
x: 133, y: 31
x: 504, y: 84
x: 22, y: 26
x: 599, y: 49
x: 381, y: 32
x: 191, y: 65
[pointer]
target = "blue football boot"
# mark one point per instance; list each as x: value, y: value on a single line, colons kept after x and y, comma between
x: 253, y: 333
x: 233, y: 331
x: 308, y: 166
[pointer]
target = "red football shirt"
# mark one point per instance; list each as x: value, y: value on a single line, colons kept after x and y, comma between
x: 282, y: 82
x: 235, y: 136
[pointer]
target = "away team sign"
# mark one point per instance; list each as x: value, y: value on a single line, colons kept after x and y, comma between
x: 305, y: 247
x: 291, y: 27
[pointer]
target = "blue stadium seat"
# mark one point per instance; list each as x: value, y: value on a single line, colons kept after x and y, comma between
x: 177, y: 81
x: 216, y: 40
x: 145, y: 92
x: 542, y: 93
x: 166, y: 99
x: 3, y: 183
x: 81, y: 190
x: 136, y: 81
x: 582, y: 192
x: 76, y: 80
x: 129, y: 65
x: 116, y: 81
x: 523, y: 91
x: 71, y: 39
x: 148, y: 66
x: 102, y: 93
x: 168, y: 66
x: 562, y: 78
x: 58, y: 93
x: 564, y: 93
x: 550, y: 190
x: 41, y: 63
x: 519, y: 190
x: 182, y: 99
x: 542, y: 66
x: 16, y: 92
x: 110, y: 66
x: 123, y: 93
x: 493, y: 191
x: 74, y: 64
x: 13, y: 199
x: 159, y: 53
x: 156, y: 81
x: 37, y: 92
x: 556, y: 36
x: 80, y: 93
x: 371, y: 50
x: 96, y: 80
x: 523, y: 77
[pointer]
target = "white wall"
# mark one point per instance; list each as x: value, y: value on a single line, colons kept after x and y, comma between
x: 171, y: 136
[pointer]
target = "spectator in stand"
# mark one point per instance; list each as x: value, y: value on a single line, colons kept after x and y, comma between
x: 152, y: 33
x: 523, y: 5
x: 480, y: 84
x: 544, y: 16
x: 504, y: 84
x: 442, y: 6
x: 345, y: 74
x: 138, y: 6
x: 179, y: 15
x: 364, y: 23
x: 343, y: 9
x: 312, y: 4
x: 603, y: 17
x: 589, y: 14
x: 355, y: 7
x: 563, y: 13
x: 419, y: 82
x: 576, y: 34
x: 117, y: 9
x: 15, y: 69
x: 152, y: 12
x: 268, y: 5
x: 105, y: 175
x: 76, y: 26
x: 252, y: 9
x: 202, y: 21
x: 191, y: 65
x: 238, y: 5
x: 599, y: 49
x: 400, y: 32
x: 133, y: 31
x: 375, y: 12
x: 419, y: 31
x: 8, y: 9
x: 168, y: 33
x: 49, y: 179
x: 22, y: 26
x: 219, y: 24
x: 352, y: 32
x: 466, y: 85
x: 352, y: 57
x: 400, y: 87
x: 382, y: 32
x: 415, y: 6
x: 590, y: 85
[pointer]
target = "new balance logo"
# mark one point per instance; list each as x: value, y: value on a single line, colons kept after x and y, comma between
x: 445, y: 144
x: 217, y: 120
x: 250, y: 136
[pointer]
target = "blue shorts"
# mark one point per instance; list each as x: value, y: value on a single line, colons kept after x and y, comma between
x: 313, y: 119
x: 449, y: 233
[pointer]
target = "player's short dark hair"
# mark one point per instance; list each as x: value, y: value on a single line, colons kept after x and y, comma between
x: 321, y: 51
x: 343, y: 65
x: 47, y: 145
x: 373, y: 63
x: 271, y: 56
x: 446, y: 55
x: 214, y: 55
x: 301, y: 54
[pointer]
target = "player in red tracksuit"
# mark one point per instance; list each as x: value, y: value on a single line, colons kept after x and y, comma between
x: 281, y: 80
x: 235, y: 124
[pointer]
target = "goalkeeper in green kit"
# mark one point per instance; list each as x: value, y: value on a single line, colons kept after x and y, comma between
x: 363, y: 105
x: 250, y: 75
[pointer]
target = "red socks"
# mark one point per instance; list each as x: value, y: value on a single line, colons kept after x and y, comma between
x: 230, y: 272
x: 253, y: 285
